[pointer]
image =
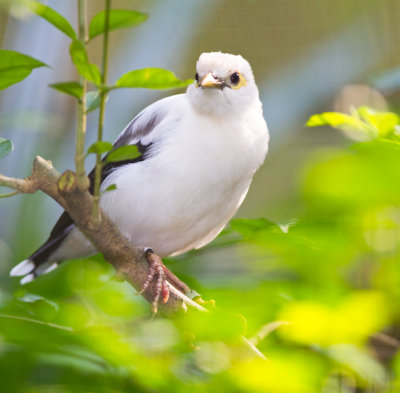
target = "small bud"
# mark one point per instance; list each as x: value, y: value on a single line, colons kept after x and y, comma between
x: 67, y: 182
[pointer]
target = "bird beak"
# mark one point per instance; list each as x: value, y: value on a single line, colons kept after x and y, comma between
x: 210, y: 81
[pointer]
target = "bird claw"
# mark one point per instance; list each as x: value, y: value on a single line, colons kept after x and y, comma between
x: 156, y: 269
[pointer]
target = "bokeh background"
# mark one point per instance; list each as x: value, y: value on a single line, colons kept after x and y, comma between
x: 338, y: 269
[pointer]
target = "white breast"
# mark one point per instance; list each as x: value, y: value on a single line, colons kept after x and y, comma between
x: 198, y: 175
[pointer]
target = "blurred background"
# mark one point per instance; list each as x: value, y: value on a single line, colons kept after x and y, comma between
x: 307, y: 57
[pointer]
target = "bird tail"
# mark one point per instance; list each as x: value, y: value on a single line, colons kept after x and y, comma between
x: 30, y: 270
x: 39, y: 262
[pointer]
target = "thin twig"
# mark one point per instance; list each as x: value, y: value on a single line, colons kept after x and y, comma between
x: 10, y: 194
x: 22, y: 185
x: 103, y: 97
x: 266, y: 330
x: 252, y: 347
x: 25, y: 319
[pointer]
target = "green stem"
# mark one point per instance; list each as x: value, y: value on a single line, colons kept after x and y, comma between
x: 53, y: 325
x: 103, y: 97
x: 10, y: 194
x: 82, y: 180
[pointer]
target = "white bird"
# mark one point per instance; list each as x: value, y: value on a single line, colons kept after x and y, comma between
x: 199, y: 152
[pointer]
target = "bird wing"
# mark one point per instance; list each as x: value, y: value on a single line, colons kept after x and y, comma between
x: 138, y: 132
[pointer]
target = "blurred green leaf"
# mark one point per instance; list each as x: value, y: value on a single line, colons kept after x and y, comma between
x: 128, y: 152
x: 249, y: 227
x: 383, y: 122
x: 151, y: 78
x: 80, y: 59
x: 6, y: 147
x: 72, y: 88
x: 73, y: 362
x: 93, y: 100
x: 289, y: 370
x: 364, y: 120
x: 352, y: 320
x: 213, y: 325
x: 118, y: 20
x: 52, y: 17
x: 343, y: 122
x: 39, y: 306
x: 361, y: 362
x: 355, y: 179
x: 15, y: 66
x: 99, y: 147
x: 333, y: 119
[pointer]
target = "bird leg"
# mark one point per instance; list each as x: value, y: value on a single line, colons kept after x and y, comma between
x: 159, y: 271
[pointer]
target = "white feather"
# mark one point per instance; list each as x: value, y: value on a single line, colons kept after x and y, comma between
x: 22, y: 268
x: 45, y: 268
x: 27, y: 278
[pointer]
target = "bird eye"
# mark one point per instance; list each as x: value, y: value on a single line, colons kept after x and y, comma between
x: 235, y: 78
x: 196, y: 77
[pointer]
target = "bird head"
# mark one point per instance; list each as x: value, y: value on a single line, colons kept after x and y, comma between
x: 224, y: 84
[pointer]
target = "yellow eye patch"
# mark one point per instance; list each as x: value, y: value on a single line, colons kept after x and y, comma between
x: 237, y: 80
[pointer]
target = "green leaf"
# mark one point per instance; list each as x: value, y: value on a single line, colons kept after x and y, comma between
x: 151, y: 78
x: 14, y: 67
x: 333, y: 119
x: 128, y: 152
x: 99, y: 147
x: 74, y: 89
x: 367, y: 121
x: 39, y: 306
x: 93, y: 100
x: 6, y: 147
x: 52, y: 17
x: 80, y: 59
x: 342, y: 121
x: 383, y: 122
x: 249, y: 227
x: 118, y: 19
x: 110, y: 188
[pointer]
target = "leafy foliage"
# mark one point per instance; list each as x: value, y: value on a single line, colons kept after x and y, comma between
x: 118, y: 19
x: 72, y: 88
x: 365, y: 121
x: 100, y: 147
x: 92, y: 101
x: 52, y: 17
x: 14, y: 67
x: 127, y: 152
x: 151, y: 78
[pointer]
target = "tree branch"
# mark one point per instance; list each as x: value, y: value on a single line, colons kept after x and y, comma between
x: 27, y: 185
x: 128, y: 261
